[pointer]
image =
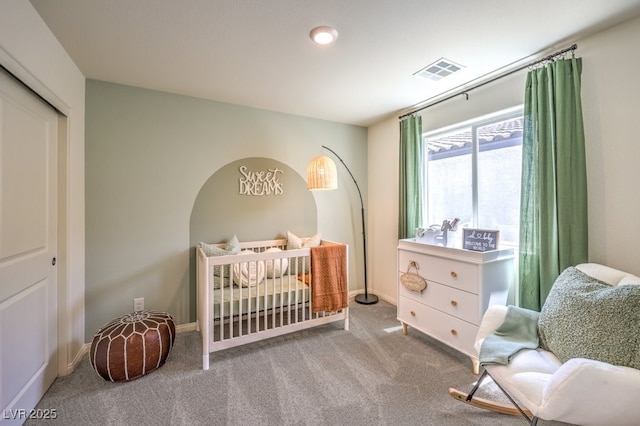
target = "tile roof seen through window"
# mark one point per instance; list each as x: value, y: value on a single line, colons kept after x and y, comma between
x: 492, y: 136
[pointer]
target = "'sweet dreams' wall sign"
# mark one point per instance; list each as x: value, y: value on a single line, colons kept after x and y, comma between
x: 261, y: 182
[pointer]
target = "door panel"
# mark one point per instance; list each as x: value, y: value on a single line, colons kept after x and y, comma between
x: 24, y: 189
x: 28, y: 242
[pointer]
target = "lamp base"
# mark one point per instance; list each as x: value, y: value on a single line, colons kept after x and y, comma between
x: 366, y: 299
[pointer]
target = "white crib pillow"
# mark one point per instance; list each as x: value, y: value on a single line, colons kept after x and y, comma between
x: 295, y: 242
x: 248, y: 274
x: 276, y: 268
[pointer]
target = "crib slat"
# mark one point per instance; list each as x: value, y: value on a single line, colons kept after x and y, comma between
x: 231, y: 311
x: 307, y: 306
x: 304, y: 274
x: 222, y: 304
x: 286, y: 286
x: 272, y: 305
x: 253, y: 295
x: 240, y: 310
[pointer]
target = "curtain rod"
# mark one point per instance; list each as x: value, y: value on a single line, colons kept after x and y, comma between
x: 465, y: 92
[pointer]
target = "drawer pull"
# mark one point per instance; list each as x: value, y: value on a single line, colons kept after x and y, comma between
x: 454, y: 303
x: 413, y: 313
x: 454, y: 332
x: 454, y: 274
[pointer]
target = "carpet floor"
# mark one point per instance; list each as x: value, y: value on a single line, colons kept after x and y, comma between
x: 369, y: 375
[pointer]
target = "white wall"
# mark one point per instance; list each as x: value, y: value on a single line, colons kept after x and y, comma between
x: 30, y: 51
x: 610, y: 95
x: 382, y: 211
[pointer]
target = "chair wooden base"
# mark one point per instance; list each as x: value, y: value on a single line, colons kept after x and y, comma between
x: 487, y: 404
x: 498, y: 407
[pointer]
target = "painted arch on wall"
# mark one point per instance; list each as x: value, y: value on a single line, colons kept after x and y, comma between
x: 226, y: 205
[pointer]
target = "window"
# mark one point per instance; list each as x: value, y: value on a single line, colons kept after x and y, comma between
x: 473, y: 172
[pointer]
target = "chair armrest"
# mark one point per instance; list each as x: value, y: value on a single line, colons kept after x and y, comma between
x: 491, y: 320
x: 578, y: 391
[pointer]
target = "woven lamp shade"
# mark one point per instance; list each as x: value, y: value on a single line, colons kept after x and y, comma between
x: 322, y: 173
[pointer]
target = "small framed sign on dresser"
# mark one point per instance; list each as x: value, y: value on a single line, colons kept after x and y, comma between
x: 480, y: 239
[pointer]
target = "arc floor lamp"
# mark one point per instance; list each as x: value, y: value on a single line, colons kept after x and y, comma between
x: 322, y: 174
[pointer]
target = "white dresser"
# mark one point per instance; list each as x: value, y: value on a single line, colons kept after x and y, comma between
x: 461, y: 284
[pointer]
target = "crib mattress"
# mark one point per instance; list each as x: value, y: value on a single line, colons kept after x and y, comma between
x: 271, y: 293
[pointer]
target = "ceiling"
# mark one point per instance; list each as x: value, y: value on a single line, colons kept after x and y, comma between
x: 258, y: 53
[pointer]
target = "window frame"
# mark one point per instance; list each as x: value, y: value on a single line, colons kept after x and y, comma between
x: 473, y: 124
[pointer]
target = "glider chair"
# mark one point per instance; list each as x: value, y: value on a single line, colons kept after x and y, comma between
x: 576, y: 361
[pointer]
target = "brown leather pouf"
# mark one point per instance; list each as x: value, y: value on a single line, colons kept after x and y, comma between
x: 133, y: 345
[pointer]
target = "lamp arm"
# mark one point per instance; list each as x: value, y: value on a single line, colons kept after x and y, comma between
x: 350, y: 174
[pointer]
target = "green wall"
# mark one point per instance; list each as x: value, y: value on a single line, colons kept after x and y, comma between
x: 147, y: 156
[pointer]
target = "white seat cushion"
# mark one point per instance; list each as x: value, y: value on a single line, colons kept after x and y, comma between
x: 526, y: 376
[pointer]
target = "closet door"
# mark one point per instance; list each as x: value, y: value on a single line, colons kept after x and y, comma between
x: 28, y: 243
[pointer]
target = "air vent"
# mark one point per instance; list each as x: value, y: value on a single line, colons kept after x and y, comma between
x: 439, y: 69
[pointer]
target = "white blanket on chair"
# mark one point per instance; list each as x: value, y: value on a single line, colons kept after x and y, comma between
x: 248, y: 274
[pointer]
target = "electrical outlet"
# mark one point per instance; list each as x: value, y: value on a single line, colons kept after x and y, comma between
x: 138, y: 304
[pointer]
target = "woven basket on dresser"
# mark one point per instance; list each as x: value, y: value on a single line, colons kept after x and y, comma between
x: 133, y: 345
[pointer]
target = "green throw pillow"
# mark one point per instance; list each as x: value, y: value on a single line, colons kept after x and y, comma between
x: 587, y: 318
x: 231, y: 247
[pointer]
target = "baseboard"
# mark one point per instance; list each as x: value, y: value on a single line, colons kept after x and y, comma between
x: 186, y: 327
x: 352, y: 295
x: 388, y: 299
x: 78, y: 358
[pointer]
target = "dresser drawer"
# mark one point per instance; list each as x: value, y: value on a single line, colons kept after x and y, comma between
x: 452, y: 331
x: 452, y: 301
x: 462, y: 275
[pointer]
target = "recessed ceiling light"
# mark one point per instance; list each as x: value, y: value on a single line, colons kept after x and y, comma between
x: 323, y: 35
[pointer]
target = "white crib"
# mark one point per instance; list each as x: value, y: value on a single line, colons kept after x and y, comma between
x: 234, y: 310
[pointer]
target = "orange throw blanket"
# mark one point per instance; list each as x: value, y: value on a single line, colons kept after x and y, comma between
x: 329, y: 278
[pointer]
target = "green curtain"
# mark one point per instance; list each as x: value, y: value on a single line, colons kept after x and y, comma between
x: 411, y: 159
x: 553, y: 209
